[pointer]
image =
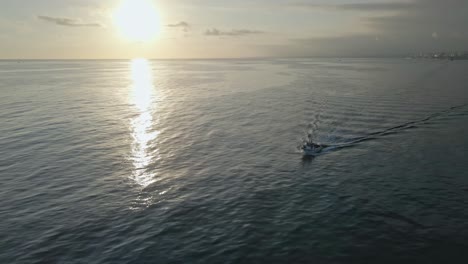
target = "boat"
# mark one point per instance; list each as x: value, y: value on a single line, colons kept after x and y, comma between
x: 311, y: 149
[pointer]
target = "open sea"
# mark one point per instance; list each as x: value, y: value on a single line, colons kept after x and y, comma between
x: 198, y: 161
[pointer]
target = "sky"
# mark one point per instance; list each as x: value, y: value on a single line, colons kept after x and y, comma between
x: 86, y: 29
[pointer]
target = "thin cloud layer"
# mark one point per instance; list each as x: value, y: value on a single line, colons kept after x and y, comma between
x: 67, y: 22
x: 371, y: 7
x: 232, y: 33
x: 413, y: 27
x: 344, y: 28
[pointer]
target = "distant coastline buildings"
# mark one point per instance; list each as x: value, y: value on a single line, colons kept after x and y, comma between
x: 442, y: 55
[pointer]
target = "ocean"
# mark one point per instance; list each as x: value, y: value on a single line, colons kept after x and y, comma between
x: 199, y: 161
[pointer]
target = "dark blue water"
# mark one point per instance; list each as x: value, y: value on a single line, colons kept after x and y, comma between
x: 198, y: 161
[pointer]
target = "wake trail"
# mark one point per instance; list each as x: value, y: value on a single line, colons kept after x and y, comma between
x: 392, y: 130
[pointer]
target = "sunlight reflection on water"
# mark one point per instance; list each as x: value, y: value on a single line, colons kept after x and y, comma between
x: 143, y: 135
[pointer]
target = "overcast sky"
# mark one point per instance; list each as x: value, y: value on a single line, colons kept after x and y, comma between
x: 241, y: 28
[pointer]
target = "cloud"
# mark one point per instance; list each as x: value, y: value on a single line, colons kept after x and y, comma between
x: 232, y: 33
x: 424, y: 26
x: 358, y: 45
x: 68, y: 22
x: 397, y: 6
x: 371, y: 7
x: 183, y: 25
x: 447, y: 19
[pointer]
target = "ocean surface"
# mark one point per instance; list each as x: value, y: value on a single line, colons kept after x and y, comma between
x: 198, y: 161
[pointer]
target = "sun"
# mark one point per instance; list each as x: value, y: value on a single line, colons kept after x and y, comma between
x: 137, y: 20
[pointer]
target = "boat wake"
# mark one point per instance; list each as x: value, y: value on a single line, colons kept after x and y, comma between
x: 389, y: 131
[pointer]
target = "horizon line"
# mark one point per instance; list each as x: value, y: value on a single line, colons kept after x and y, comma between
x: 214, y: 58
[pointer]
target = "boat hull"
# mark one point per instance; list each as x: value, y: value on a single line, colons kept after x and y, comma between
x: 312, y: 151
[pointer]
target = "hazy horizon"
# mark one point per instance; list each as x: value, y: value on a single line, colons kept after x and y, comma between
x: 214, y: 58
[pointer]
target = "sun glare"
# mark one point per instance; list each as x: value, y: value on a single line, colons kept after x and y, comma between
x: 143, y: 134
x: 137, y: 20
